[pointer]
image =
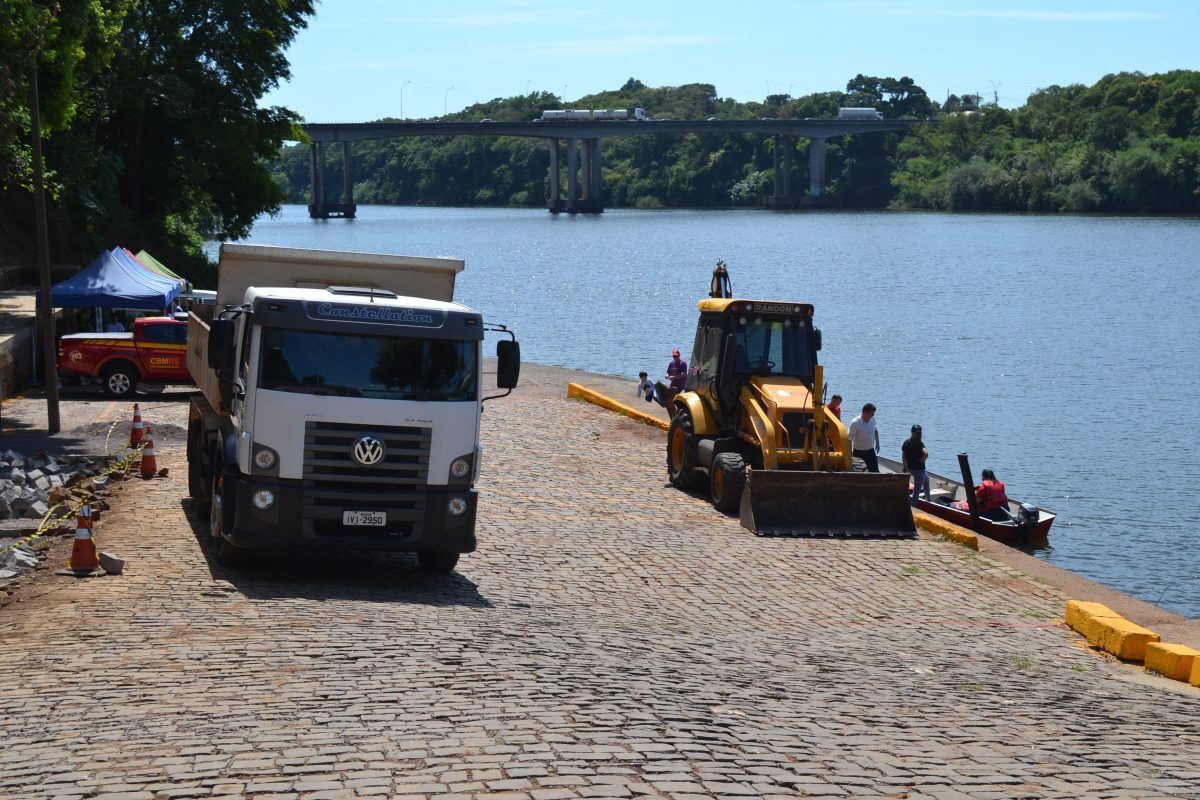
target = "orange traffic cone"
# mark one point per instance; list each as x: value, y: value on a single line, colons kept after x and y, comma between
x: 84, y: 558
x: 149, y: 465
x: 139, y: 430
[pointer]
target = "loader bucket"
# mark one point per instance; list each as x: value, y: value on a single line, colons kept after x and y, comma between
x: 828, y: 504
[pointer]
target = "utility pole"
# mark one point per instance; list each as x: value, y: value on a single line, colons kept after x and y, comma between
x: 45, y: 314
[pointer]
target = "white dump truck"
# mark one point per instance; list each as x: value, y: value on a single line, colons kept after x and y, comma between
x: 339, y: 405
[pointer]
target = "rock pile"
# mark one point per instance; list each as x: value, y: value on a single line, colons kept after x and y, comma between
x: 27, y: 482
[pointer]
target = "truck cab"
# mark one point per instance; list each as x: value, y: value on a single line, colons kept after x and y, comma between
x: 344, y: 417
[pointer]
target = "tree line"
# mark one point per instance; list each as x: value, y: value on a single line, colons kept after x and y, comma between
x: 1129, y: 143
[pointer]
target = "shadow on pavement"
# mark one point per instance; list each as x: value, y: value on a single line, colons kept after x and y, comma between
x: 320, y: 575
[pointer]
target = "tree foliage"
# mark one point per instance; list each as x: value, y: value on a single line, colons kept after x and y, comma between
x: 151, y: 112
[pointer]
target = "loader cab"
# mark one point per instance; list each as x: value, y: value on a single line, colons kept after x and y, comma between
x: 737, y: 340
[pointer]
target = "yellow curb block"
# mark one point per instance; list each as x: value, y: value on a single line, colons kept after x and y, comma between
x: 591, y: 396
x: 1085, y: 617
x: 941, y: 527
x: 1176, y: 661
x: 1109, y: 631
x: 1195, y: 679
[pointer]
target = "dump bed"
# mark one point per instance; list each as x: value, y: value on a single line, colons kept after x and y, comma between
x: 263, y: 266
x: 246, y: 265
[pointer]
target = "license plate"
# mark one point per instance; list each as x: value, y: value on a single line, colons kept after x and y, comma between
x: 367, y: 518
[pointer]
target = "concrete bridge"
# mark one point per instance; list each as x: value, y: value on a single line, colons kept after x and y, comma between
x: 583, y: 140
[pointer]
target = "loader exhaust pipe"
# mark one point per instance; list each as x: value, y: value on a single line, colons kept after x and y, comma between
x: 827, y: 504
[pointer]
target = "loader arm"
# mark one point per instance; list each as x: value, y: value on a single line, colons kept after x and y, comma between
x: 761, y: 412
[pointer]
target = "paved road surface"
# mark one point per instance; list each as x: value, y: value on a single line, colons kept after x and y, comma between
x: 611, y: 638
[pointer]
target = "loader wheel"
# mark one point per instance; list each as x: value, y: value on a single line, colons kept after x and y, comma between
x: 727, y: 481
x: 681, y: 453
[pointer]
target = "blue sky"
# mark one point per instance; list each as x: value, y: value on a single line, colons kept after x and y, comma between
x: 364, y: 59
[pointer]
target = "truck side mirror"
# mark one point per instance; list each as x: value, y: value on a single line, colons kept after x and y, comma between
x: 221, y: 351
x: 816, y: 339
x: 508, y: 366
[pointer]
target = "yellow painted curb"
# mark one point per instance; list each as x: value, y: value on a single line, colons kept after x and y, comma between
x: 583, y: 393
x: 1195, y: 679
x: 1176, y: 661
x: 1085, y: 618
x: 1109, y: 631
x: 941, y: 527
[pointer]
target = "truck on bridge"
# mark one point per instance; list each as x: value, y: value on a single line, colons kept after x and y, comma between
x: 576, y: 115
x: 339, y: 405
x: 860, y: 114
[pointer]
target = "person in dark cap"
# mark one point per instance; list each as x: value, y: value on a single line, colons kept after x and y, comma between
x: 913, y: 455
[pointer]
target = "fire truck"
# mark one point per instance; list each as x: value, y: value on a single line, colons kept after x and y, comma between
x: 154, y: 353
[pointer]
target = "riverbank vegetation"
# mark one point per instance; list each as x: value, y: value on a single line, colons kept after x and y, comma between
x: 1129, y: 143
x: 151, y: 123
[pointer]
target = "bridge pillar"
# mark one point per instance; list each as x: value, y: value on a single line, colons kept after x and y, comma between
x: 781, y: 162
x: 586, y: 195
x: 597, y: 179
x: 316, y: 180
x: 348, y: 206
x: 816, y: 171
x: 572, y: 174
x: 555, y: 203
x: 319, y: 207
x: 588, y: 200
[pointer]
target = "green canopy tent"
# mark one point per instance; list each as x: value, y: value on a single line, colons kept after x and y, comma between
x: 156, y: 265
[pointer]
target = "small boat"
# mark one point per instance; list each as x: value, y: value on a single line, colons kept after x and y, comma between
x: 1027, y: 526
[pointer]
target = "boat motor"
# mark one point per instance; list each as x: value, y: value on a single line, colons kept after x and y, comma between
x: 1027, y: 519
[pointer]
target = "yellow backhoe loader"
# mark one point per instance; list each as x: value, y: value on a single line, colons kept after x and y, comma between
x: 752, y: 426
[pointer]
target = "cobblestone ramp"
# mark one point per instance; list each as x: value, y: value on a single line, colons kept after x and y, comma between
x: 611, y: 638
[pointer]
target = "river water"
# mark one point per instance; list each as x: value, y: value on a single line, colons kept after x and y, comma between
x: 1063, y: 352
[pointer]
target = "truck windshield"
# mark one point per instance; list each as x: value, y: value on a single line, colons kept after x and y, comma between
x: 362, y: 365
x: 773, y: 347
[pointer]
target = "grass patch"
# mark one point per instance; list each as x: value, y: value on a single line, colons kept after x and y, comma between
x: 1021, y: 662
x: 1078, y: 668
x: 910, y: 570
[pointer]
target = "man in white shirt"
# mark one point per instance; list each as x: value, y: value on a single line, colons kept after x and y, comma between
x: 864, y: 438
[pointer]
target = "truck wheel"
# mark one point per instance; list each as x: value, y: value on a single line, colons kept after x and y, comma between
x: 681, y: 453
x: 437, y: 561
x: 119, y: 380
x: 727, y: 480
x: 230, y: 555
x: 197, y: 484
x: 216, y: 503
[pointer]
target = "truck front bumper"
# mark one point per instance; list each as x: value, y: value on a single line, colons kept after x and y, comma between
x: 417, y: 521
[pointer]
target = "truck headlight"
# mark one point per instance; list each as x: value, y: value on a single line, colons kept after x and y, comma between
x: 457, y: 506
x: 263, y: 499
x: 264, y: 459
x: 459, y: 468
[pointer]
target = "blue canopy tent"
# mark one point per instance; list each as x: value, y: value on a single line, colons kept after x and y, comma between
x: 114, y: 280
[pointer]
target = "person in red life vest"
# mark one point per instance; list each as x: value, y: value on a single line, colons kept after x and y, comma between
x: 993, y: 502
x: 835, y: 405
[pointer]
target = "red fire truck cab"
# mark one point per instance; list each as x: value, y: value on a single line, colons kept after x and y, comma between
x: 155, y: 353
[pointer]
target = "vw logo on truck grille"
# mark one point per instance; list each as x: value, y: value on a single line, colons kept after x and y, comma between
x: 367, y: 450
